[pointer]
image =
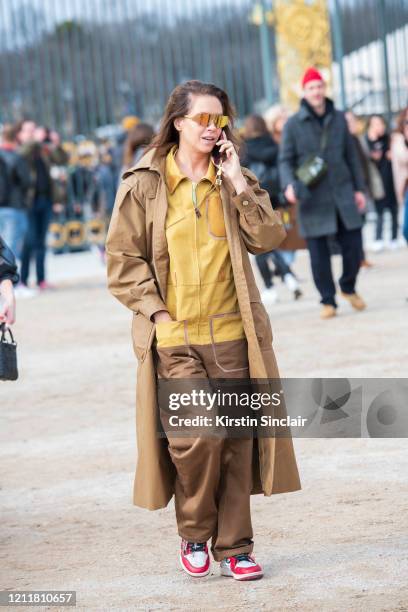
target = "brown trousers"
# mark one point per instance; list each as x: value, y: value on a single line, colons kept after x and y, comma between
x: 214, y: 475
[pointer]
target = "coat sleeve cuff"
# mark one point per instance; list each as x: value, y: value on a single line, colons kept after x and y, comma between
x: 151, y: 306
x: 246, y: 201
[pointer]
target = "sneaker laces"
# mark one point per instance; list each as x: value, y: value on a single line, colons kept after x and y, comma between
x: 196, y: 546
x: 244, y: 557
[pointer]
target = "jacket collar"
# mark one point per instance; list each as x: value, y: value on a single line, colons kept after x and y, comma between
x: 167, y: 167
x: 305, y: 111
x: 149, y: 161
x: 174, y: 175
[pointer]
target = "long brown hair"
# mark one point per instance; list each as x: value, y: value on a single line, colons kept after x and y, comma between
x: 179, y: 104
x: 139, y: 136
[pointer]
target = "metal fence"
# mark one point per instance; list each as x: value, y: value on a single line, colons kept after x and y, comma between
x: 372, y: 49
x: 77, y: 65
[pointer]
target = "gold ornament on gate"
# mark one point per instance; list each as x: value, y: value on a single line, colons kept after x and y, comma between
x: 302, y: 40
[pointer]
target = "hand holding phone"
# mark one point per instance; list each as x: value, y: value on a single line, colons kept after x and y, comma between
x: 228, y: 163
x: 217, y: 154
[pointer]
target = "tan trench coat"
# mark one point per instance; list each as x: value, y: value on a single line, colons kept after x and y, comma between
x: 138, y: 264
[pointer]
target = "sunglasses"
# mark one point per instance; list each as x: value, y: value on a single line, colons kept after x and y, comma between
x: 205, y: 119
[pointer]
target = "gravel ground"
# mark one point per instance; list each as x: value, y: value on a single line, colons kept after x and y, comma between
x: 68, y: 454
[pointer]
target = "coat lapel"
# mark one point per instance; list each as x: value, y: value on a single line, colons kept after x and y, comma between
x: 160, y: 253
x: 256, y: 363
x: 161, y: 260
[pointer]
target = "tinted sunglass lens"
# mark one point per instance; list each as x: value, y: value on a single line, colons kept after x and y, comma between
x: 204, y: 119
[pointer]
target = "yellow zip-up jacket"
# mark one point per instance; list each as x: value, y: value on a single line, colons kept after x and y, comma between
x: 201, y: 295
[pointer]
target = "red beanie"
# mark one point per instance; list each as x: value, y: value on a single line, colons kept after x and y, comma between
x: 311, y: 74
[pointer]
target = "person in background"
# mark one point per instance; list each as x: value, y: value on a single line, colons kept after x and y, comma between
x: 138, y: 138
x: 83, y: 189
x: 260, y: 155
x: 13, y: 209
x: 372, y: 176
x: 399, y: 158
x: 105, y: 177
x: 379, y: 141
x: 41, y: 148
x: 59, y: 176
x: 128, y: 123
x: 26, y: 130
x: 275, y: 118
x: 329, y: 206
x: 8, y: 278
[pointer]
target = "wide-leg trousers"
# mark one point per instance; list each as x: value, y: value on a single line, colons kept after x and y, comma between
x: 214, y: 474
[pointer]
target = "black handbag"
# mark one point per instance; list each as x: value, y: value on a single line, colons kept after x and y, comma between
x: 8, y: 355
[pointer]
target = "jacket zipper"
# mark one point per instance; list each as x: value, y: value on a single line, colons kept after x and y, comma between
x: 194, y: 194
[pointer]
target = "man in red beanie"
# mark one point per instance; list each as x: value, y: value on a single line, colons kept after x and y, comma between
x: 320, y: 170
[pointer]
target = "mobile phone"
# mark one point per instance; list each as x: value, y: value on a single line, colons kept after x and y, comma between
x: 216, y: 155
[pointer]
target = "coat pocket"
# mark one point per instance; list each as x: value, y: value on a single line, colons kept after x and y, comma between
x: 142, y: 335
x: 226, y: 326
x: 215, y: 217
x: 171, y: 333
x: 224, y: 329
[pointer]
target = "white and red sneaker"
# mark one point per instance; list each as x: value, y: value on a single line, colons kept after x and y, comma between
x: 194, y: 558
x: 241, y: 567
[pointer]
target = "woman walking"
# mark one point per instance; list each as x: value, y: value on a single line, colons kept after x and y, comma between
x: 372, y: 177
x: 260, y: 155
x: 378, y: 141
x: 177, y: 255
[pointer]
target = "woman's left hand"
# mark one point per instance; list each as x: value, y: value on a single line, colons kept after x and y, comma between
x: 7, y: 303
x: 231, y: 166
